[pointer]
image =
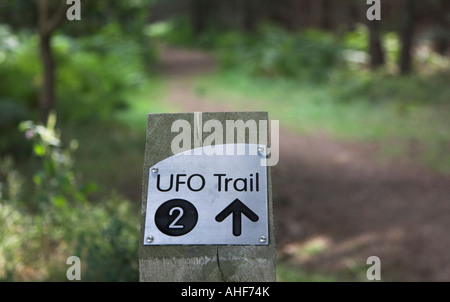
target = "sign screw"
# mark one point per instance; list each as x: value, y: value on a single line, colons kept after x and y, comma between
x: 155, y: 170
x: 262, y: 239
x: 261, y: 150
x: 150, y: 239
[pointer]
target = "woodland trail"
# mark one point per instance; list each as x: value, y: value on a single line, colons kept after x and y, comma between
x: 337, y: 200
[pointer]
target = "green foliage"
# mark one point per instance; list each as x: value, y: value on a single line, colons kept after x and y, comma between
x: 289, y: 273
x: 275, y: 52
x: 177, y: 31
x: 382, y: 87
x: 47, y: 212
x: 18, y: 91
x: 19, y: 67
x: 54, y: 180
x: 131, y: 15
x: 357, y: 39
x: 35, y: 247
x: 106, y: 239
x: 412, y: 111
x: 17, y: 231
x: 313, y: 83
x: 270, y: 52
x: 11, y: 140
x: 96, y: 72
x: 54, y: 219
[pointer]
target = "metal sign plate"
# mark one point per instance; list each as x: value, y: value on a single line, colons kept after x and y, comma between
x: 197, y: 197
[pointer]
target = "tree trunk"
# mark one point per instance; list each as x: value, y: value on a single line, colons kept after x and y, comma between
x: 324, y: 14
x: 441, y: 39
x: 406, y: 36
x: 375, y: 48
x: 47, y: 97
x: 351, y: 15
x: 199, y: 16
x: 251, y: 14
x: 47, y: 23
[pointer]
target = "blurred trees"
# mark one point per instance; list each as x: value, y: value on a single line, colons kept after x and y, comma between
x: 406, y: 35
x: 87, y: 70
x: 81, y: 72
x: 442, y: 26
x: 47, y: 17
x: 376, y: 51
x: 44, y: 16
x: 410, y: 18
x: 80, y: 69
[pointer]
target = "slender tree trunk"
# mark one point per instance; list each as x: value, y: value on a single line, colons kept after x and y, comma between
x: 406, y: 36
x: 375, y: 46
x: 199, y: 16
x: 324, y: 14
x: 251, y: 14
x: 441, y: 43
x: 48, y: 21
x: 351, y: 15
x: 47, y: 97
x: 441, y: 39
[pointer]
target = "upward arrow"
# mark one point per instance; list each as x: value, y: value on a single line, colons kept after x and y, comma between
x: 237, y: 208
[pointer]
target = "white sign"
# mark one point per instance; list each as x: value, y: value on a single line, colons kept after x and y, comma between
x: 206, y: 197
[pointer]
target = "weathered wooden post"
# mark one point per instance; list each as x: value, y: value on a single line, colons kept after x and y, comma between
x: 207, y: 199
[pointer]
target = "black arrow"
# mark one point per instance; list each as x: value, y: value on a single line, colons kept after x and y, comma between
x: 237, y: 208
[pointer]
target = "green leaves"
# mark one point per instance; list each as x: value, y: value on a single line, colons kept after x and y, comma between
x: 39, y: 150
x: 43, y: 223
x: 276, y: 52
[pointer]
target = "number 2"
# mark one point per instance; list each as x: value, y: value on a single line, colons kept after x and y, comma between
x: 173, y: 225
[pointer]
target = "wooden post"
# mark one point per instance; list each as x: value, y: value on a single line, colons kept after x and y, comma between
x: 201, y: 262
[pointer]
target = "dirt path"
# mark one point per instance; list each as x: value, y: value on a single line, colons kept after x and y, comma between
x: 335, y: 204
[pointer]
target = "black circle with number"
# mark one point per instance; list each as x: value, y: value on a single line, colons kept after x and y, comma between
x: 176, y: 217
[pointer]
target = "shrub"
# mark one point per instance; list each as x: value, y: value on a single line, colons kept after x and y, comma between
x: 11, y: 140
x: 35, y: 246
x: 96, y: 72
x: 276, y: 52
x: 19, y: 67
x: 54, y: 219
